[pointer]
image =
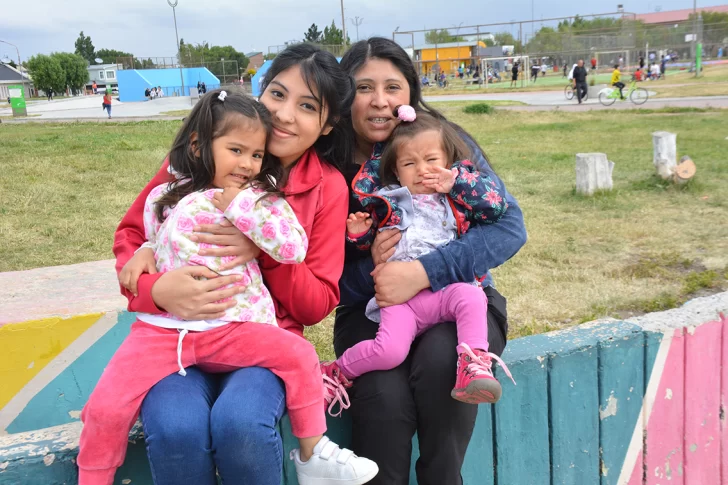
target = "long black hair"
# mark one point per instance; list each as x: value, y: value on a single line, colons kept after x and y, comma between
x: 211, y: 118
x: 389, y: 50
x: 332, y: 87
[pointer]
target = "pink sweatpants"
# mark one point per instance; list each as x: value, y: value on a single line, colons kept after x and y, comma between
x: 149, y: 354
x: 466, y: 304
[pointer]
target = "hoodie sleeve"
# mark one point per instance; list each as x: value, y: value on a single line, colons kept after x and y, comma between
x: 316, y: 280
x: 129, y: 236
x: 484, y: 246
x: 482, y: 197
x: 270, y: 223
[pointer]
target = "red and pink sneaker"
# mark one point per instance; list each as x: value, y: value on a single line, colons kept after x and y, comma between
x: 335, y: 386
x: 475, y: 383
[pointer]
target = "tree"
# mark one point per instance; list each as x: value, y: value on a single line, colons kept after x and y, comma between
x: 12, y: 64
x: 47, y: 73
x: 333, y: 35
x: 270, y: 56
x: 85, y: 48
x: 74, y: 69
x: 506, y: 38
x: 441, y: 36
x: 546, y: 40
x: 209, y: 56
x: 313, y: 35
x: 110, y: 56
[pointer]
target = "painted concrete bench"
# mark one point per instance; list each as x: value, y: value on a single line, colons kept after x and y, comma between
x: 630, y: 402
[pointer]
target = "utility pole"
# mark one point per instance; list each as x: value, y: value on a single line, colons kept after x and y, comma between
x: 173, y: 4
x: 20, y: 67
x: 357, y: 23
x: 694, y: 43
x: 343, y: 26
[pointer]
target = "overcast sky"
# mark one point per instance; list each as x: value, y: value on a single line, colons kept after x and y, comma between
x: 145, y: 27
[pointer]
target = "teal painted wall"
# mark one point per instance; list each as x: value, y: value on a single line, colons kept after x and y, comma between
x: 569, y: 420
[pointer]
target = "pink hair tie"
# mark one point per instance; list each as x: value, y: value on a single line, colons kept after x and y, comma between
x: 406, y: 112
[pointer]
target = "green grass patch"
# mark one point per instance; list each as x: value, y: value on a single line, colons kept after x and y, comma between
x: 479, y: 109
x: 177, y: 112
x: 673, y: 110
x: 646, y: 245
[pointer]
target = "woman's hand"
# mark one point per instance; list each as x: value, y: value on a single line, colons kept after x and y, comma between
x: 142, y: 262
x: 232, y: 242
x: 384, y: 245
x: 397, y: 282
x: 182, y: 293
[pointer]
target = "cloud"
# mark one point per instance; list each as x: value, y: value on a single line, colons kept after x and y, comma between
x: 146, y: 28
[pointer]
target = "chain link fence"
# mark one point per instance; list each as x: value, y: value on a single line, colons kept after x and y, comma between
x: 227, y: 71
x: 560, y: 41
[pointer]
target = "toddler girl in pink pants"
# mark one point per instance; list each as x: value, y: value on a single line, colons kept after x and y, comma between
x: 424, y: 185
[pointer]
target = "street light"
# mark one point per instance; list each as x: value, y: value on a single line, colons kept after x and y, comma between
x: 222, y: 59
x: 357, y: 23
x: 173, y: 4
x: 20, y: 68
x: 457, y: 35
x: 343, y: 26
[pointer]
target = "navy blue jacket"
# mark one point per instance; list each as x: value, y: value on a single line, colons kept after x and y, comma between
x: 482, y: 248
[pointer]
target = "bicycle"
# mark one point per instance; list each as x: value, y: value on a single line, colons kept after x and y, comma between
x: 637, y: 95
x: 570, y: 92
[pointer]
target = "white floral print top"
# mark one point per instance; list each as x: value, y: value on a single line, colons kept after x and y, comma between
x: 268, y: 221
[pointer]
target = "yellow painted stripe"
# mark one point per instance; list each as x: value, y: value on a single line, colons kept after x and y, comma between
x: 25, y: 348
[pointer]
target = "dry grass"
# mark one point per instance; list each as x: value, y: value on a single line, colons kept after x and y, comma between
x: 709, y: 74
x: 178, y: 112
x: 703, y: 89
x: 64, y: 187
x: 644, y: 246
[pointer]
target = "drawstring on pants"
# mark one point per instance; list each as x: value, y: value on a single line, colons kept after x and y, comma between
x: 182, y: 370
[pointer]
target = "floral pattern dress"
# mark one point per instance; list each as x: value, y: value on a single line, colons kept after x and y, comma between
x: 266, y: 219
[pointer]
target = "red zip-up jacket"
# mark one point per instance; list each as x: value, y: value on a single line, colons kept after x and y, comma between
x: 304, y: 294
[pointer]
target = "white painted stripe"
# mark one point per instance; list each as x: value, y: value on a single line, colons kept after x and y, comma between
x: 54, y: 368
x: 635, y: 445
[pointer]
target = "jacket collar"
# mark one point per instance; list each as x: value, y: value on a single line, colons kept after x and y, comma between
x: 305, y: 174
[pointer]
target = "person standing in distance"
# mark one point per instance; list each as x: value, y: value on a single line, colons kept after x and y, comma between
x: 579, y: 75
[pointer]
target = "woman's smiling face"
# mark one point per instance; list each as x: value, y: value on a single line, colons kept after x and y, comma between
x: 380, y: 87
x: 297, y: 115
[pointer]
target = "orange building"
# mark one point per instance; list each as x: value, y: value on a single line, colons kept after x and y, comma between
x: 448, y: 56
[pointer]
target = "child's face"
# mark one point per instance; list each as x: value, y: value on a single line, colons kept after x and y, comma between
x: 417, y: 156
x: 238, y: 154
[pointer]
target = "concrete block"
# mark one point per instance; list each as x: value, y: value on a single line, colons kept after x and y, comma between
x: 593, y: 173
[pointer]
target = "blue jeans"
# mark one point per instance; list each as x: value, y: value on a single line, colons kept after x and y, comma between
x: 201, y: 423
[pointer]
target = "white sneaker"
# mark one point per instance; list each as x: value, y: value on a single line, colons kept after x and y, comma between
x: 331, y: 465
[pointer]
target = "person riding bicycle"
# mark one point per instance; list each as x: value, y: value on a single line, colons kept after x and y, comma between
x: 616, y: 76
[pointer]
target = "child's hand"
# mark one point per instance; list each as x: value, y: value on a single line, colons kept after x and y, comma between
x: 358, y: 223
x: 142, y: 262
x: 442, y: 179
x: 222, y: 200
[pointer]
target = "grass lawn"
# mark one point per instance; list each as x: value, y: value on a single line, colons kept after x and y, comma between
x: 11, y: 117
x: 177, y: 112
x: 644, y: 246
x: 712, y: 82
x: 703, y: 89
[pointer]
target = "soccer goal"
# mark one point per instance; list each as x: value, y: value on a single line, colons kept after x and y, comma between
x: 607, y: 59
x: 494, y: 67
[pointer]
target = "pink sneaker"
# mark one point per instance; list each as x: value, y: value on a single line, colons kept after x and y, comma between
x: 475, y: 383
x: 335, y: 386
